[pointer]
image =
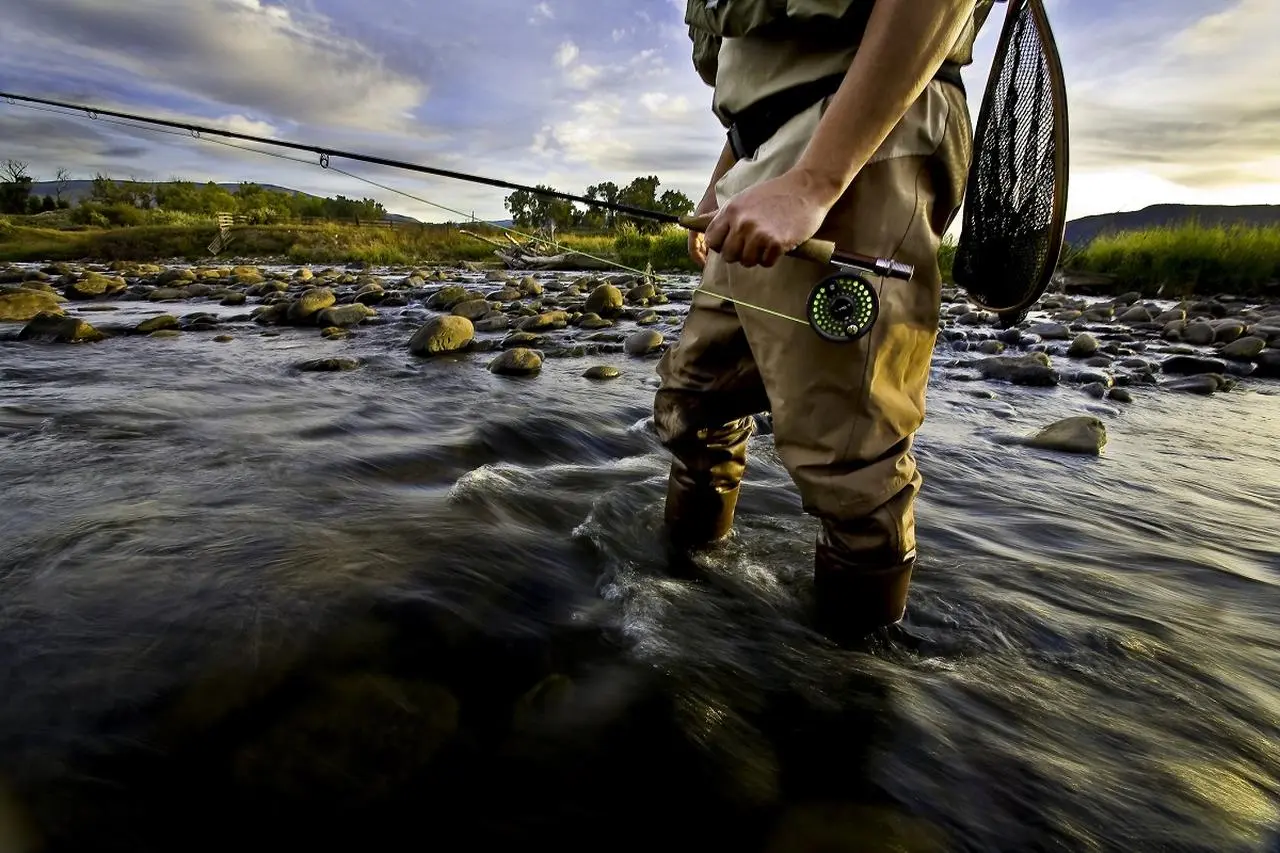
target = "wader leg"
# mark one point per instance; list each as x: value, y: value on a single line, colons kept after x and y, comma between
x: 710, y: 388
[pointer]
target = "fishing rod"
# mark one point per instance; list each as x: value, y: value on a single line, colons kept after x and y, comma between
x: 841, y: 308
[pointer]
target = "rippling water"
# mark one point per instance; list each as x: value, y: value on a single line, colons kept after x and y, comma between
x: 419, y: 603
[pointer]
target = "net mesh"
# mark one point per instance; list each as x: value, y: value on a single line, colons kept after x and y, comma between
x: 1015, y: 201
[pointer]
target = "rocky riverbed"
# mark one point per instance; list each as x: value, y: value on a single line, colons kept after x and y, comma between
x: 317, y: 554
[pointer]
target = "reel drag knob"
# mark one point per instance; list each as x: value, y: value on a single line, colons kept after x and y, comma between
x: 843, y: 307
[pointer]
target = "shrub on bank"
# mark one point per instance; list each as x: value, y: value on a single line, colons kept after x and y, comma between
x: 1187, y: 259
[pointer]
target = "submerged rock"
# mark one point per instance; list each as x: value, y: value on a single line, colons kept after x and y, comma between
x: 328, y: 365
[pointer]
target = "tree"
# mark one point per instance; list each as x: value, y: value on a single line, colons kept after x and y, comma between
x: 62, y: 178
x: 15, y: 187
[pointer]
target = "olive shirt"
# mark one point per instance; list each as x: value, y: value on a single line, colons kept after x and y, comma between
x: 749, y: 49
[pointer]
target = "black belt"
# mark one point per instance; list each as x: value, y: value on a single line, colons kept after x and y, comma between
x: 755, y: 125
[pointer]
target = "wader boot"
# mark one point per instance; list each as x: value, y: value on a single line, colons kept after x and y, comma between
x: 858, y: 605
x: 862, y: 574
x: 703, y: 486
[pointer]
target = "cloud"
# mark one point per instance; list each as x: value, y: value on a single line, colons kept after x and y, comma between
x: 566, y: 53
x: 246, y: 54
x: 1200, y: 107
x: 542, y: 12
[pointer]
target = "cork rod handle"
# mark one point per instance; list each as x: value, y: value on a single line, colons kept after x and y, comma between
x: 818, y: 251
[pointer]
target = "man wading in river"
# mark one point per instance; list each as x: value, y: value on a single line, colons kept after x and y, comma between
x: 847, y: 122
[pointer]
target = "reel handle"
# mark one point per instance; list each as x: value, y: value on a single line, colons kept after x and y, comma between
x: 818, y: 251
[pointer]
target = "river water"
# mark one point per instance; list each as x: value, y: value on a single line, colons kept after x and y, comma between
x: 420, y: 603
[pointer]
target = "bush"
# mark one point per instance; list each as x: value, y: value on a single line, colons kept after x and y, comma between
x: 1186, y: 259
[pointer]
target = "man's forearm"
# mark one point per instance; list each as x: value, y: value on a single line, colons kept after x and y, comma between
x: 904, y: 44
x: 724, y: 164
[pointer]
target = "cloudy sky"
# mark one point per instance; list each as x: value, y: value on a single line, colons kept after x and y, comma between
x: 1171, y: 100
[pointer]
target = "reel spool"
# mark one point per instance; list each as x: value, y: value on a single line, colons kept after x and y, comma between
x: 843, y: 307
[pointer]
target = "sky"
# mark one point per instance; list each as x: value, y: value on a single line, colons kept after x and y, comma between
x: 1169, y: 100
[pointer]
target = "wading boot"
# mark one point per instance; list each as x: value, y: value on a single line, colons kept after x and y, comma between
x: 860, y: 605
x: 703, y: 489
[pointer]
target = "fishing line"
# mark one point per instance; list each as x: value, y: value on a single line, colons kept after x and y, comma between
x: 841, y: 308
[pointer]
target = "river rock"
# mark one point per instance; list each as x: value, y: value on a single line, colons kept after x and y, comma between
x: 1203, y: 383
x: 640, y: 294
x: 1084, y: 346
x: 1032, y: 369
x: 1243, y: 349
x: 1050, y: 331
x: 1227, y: 330
x: 1080, y: 434
x: 447, y: 297
x: 168, y: 294
x: 233, y: 297
x: 328, y: 365
x: 20, y: 304
x: 310, y: 303
x: 175, y: 275
x: 1120, y: 395
x: 1268, y: 364
x: 1187, y: 365
x: 442, y: 335
x: 94, y: 286
x: 602, y: 371
x: 472, y: 309
x: 605, y: 301
x: 61, y: 329
x: 544, y: 322
x: 517, y: 361
x: 494, y: 321
x: 1199, y: 333
x: 643, y: 342
x: 344, y: 316
x: 155, y: 324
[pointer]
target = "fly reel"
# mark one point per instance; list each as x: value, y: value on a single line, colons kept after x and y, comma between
x: 843, y: 307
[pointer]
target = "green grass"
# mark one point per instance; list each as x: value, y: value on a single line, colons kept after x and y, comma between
x: 39, y: 240
x: 1186, y: 260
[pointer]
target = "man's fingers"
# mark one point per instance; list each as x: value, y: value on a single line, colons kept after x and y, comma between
x: 717, y: 231
x: 771, y: 254
x: 752, y: 250
x: 731, y: 244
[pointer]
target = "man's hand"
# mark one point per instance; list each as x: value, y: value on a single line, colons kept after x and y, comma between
x: 763, y: 223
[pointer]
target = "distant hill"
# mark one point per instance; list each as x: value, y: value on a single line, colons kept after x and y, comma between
x: 1081, y: 231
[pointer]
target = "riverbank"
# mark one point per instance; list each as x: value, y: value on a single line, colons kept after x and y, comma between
x: 1170, y: 263
x: 306, y: 554
x: 327, y: 243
